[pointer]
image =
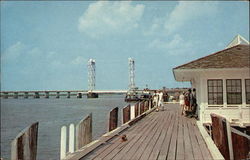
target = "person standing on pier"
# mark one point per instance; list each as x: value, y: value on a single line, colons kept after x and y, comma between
x: 182, y: 102
x: 160, y: 102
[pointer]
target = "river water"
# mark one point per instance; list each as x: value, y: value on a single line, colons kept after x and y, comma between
x: 52, y: 114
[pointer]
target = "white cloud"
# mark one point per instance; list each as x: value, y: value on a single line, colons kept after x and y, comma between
x: 104, y: 17
x: 156, y: 25
x: 188, y: 11
x: 79, y: 60
x: 176, y: 46
x: 13, y: 52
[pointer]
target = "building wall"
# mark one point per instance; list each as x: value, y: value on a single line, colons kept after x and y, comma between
x: 239, y: 114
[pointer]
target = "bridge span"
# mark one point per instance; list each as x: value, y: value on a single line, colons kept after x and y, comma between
x: 57, y: 93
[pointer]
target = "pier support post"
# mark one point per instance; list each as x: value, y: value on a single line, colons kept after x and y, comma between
x: 84, y: 132
x: 24, y: 146
x: 57, y: 94
x: 15, y: 95
x: 46, y: 94
x: 36, y: 95
x: 5, y: 95
x: 126, y: 114
x: 68, y: 94
x: 113, y: 119
x: 79, y: 95
x: 63, y: 148
x: 92, y: 95
x: 71, y: 138
x: 26, y: 95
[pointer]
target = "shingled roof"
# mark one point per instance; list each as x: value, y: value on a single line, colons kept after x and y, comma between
x: 235, y: 57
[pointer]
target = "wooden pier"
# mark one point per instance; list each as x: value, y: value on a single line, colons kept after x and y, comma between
x: 160, y: 135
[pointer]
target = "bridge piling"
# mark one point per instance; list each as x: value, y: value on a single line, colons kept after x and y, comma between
x: 26, y: 94
x: 57, y: 94
x: 6, y: 95
x: 68, y: 94
x: 36, y: 95
x: 46, y: 94
x: 16, y: 95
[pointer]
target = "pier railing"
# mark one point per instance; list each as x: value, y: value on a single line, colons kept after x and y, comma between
x: 130, y: 115
x: 233, y: 144
x: 24, y: 146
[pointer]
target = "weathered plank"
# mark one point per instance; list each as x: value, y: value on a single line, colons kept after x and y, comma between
x: 195, y: 146
x: 172, y: 150
x: 180, y: 140
x: 188, y: 150
x: 126, y: 114
x: 142, y: 147
x: 116, y: 148
x: 156, y: 141
x: 24, y: 146
x: 241, y: 144
x: 84, y: 132
x: 201, y: 142
x: 113, y: 119
x: 219, y: 134
x: 136, y: 109
x: 141, y: 107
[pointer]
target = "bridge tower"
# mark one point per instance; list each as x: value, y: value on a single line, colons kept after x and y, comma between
x: 131, y: 64
x: 132, y: 93
x: 91, y: 79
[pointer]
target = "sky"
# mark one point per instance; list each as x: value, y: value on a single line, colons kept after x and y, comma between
x: 46, y: 45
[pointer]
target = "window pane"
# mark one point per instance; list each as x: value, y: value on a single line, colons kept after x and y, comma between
x: 248, y: 98
x: 248, y: 82
x: 210, y: 89
x: 219, y: 89
x: 219, y: 82
x: 238, y: 82
x: 215, y: 92
x: 234, y: 95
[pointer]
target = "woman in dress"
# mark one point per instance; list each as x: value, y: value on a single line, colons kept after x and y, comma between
x: 182, y: 103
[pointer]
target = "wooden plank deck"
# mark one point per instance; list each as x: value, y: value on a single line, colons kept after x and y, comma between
x: 160, y: 135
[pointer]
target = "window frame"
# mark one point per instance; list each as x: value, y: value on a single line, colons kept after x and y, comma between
x: 247, y: 92
x: 213, y: 93
x: 234, y: 94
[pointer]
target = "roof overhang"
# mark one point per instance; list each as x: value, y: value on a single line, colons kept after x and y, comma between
x: 182, y: 75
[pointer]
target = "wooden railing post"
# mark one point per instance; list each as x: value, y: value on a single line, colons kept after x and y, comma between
x: 71, y: 138
x: 241, y: 145
x: 141, y: 107
x: 132, y: 112
x: 63, y: 147
x: 219, y: 134
x: 126, y: 114
x: 113, y: 119
x: 84, y: 132
x: 24, y: 146
x: 136, y: 109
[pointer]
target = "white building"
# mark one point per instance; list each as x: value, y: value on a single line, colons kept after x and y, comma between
x: 222, y: 82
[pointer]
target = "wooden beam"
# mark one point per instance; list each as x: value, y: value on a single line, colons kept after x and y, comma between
x: 126, y: 114
x: 24, y: 146
x: 84, y: 132
x: 113, y: 119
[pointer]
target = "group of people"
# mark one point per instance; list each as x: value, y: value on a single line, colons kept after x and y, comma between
x: 188, y: 103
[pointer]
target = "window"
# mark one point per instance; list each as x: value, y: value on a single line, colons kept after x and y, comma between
x: 234, y: 95
x: 247, y: 83
x: 215, y: 91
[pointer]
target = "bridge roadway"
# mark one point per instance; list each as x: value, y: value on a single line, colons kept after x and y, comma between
x: 160, y: 135
x: 57, y: 93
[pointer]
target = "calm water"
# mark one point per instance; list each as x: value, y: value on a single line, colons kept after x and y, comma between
x: 16, y: 114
